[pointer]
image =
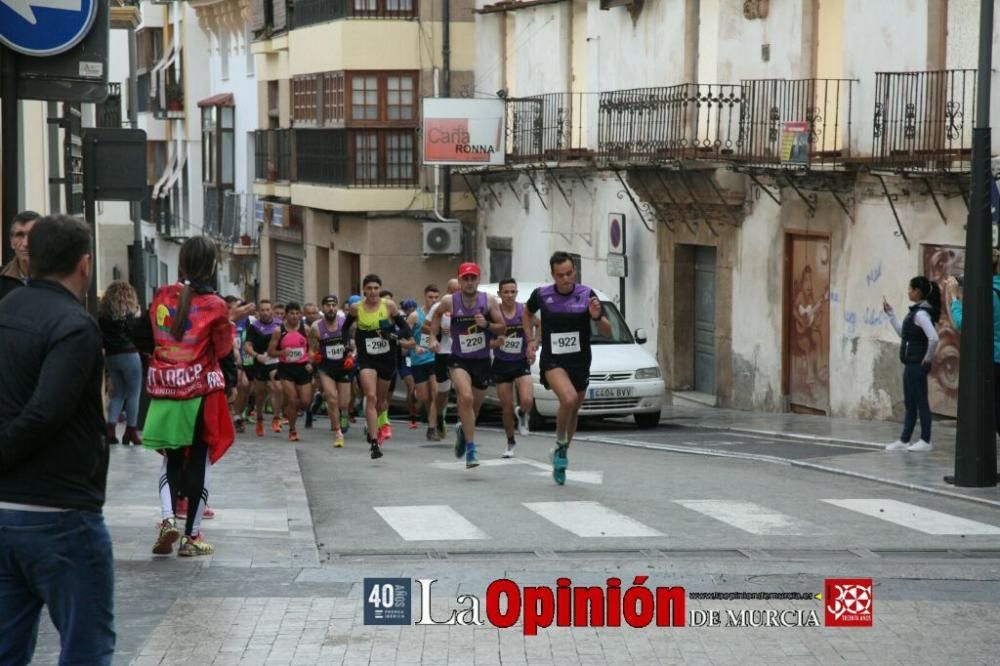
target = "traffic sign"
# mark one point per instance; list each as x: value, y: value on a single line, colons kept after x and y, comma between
x: 45, y: 27
x: 616, y: 233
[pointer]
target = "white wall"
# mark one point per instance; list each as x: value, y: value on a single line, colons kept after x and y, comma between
x: 581, y: 228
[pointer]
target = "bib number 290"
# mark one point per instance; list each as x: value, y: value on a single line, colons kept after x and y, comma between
x: 565, y: 343
x: 377, y: 346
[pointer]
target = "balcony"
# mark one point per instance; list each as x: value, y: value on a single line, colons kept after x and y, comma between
x: 273, y: 155
x: 684, y: 122
x: 170, y: 102
x: 801, y: 124
x: 376, y: 158
x: 109, y: 112
x: 923, y: 121
x: 548, y: 128
x: 311, y: 12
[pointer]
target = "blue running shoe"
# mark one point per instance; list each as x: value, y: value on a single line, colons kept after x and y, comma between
x: 560, y: 460
x: 459, y: 441
x: 471, y: 457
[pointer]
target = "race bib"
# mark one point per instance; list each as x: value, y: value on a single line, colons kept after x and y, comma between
x: 335, y: 352
x: 376, y: 345
x: 294, y: 354
x: 425, y: 341
x: 512, y: 345
x: 472, y: 342
x: 565, y: 343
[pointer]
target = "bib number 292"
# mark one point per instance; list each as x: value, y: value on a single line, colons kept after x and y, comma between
x: 565, y: 343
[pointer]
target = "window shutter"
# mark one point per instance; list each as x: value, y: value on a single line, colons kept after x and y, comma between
x: 257, y: 15
x: 280, y: 10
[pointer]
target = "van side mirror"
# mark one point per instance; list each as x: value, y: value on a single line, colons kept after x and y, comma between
x: 640, y: 336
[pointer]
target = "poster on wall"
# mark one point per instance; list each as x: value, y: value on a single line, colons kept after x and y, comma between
x: 939, y: 263
x: 809, y: 325
x: 795, y: 143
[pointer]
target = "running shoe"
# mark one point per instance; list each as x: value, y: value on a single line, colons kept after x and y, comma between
x: 522, y: 422
x: 338, y: 440
x: 442, y: 427
x: 471, y: 456
x: 169, y: 534
x: 194, y: 546
x: 413, y: 424
x: 276, y: 424
x: 385, y: 432
x: 375, y: 451
x: 345, y: 424
x: 260, y: 427
x: 293, y: 436
x: 238, y: 424
x: 459, y: 441
x: 509, y: 453
x: 433, y: 435
x: 207, y: 514
x: 560, y: 460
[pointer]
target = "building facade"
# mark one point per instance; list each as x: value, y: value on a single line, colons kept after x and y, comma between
x: 340, y: 186
x: 780, y: 166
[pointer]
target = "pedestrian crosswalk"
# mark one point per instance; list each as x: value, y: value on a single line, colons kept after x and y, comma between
x: 594, y: 520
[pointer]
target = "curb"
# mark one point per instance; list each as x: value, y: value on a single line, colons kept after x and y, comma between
x: 786, y: 435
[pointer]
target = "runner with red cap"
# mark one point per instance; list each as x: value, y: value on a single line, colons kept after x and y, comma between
x: 473, y: 315
x: 560, y: 316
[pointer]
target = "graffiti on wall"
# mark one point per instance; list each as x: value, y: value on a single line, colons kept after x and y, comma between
x: 809, y: 330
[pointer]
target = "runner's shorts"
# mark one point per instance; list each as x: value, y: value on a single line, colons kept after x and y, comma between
x: 336, y: 372
x: 423, y: 372
x: 441, y: 367
x: 506, y: 372
x: 260, y: 372
x: 386, y: 369
x: 295, y: 373
x: 478, y: 369
x: 580, y: 375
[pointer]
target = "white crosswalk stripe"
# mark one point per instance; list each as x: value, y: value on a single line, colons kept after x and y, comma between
x: 590, y: 519
x: 429, y: 523
x: 915, y: 517
x: 753, y: 518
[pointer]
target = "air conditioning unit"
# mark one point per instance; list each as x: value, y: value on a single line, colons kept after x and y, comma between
x: 442, y: 237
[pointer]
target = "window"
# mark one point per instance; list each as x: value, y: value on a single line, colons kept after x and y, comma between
x: 579, y: 267
x: 247, y: 38
x: 364, y: 97
x: 304, y: 99
x: 365, y: 158
x: 501, y: 262
x: 365, y: 5
x: 218, y: 157
x: 399, y: 157
x: 224, y: 47
x: 400, y: 98
x: 399, y: 6
x: 333, y: 97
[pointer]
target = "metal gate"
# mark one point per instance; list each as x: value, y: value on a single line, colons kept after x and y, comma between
x: 288, y: 273
x: 704, y: 320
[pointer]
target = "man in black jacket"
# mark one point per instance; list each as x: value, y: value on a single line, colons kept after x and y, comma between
x: 15, y: 273
x: 54, y: 547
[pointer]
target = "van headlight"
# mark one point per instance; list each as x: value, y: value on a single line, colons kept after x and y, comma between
x: 647, y: 373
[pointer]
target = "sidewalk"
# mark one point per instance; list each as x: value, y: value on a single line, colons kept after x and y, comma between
x: 916, y: 471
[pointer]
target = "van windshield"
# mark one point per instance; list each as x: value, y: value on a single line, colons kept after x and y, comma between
x: 620, y: 335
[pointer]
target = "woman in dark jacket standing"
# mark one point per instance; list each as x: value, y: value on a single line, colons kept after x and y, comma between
x: 117, y: 316
x: 919, y: 339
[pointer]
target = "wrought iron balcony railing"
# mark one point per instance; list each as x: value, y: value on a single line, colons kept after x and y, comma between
x: 549, y: 127
x: 687, y: 121
x: 311, y: 12
x: 273, y: 155
x: 356, y: 158
x: 923, y: 121
x: 796, y: 123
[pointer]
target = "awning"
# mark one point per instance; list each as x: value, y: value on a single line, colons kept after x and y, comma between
x: 161, y: 73
x: 166, y: 175
x: 154, y: 74
x: 178, y: 170
x: 222, y: 99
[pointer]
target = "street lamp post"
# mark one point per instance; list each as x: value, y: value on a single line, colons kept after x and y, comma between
x: 975, y: 444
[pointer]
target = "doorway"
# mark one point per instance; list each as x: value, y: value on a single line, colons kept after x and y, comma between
x: 704, y: 320
x: 806, y: 354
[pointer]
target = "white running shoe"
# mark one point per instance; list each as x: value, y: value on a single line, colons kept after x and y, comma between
x: 522, y: 422
x: 920, y: 446
x: 898, y: 445
x: 509, y: 453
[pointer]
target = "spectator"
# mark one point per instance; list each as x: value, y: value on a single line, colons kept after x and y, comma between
x: 117, y: 316
x: 15, y: 273
x: 55, y: 549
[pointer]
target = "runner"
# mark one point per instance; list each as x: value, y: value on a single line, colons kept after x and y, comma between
x: 311, y: 314
x: 443, y: 353
x: 328, y: 344
x: 376, y: 347
x: 512, y: 360
x: 264, y: 368
x: 566, y: 311
x: 408, y: 306
x: 290, y: 345
x: 469, y: 364
x: 239, y: 315
x: 188, y: 417
x: 422, y: 362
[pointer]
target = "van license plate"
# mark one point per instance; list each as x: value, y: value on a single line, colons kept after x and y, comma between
x: 616, y: 392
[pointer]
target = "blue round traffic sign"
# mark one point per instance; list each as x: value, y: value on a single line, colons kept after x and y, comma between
x: 616, y: 232
x: 45, y: 27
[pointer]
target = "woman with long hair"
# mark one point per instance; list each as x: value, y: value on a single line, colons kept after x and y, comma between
x: 117, y: 315
x: 189, y: 420
x: 919, y: 339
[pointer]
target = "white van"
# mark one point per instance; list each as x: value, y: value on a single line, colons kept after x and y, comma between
x: 624, y: 376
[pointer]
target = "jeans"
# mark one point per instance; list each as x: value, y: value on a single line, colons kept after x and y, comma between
x: 61, y: 560
x: 916, y: 402
x: 126, y: 386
